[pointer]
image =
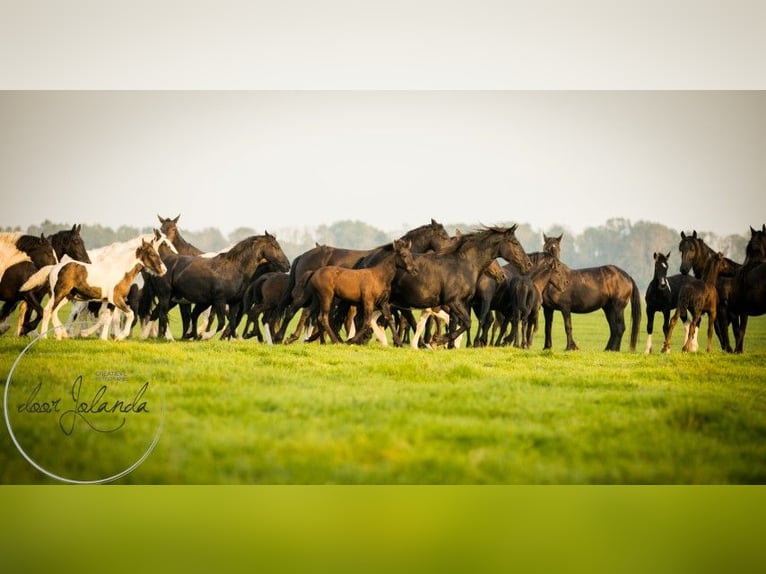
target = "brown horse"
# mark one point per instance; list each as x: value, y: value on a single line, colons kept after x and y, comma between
x: 429, y: 237
x: 697, y: 297
x: 369, y: 288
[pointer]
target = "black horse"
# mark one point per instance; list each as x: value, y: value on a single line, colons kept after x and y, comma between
x: 221, y: 280
x: 41, y: 251
x: 748, y: 297
x: 262, y: 297
x: 662, y: 295
x: 429, y: 237
x: 449, y: 278
x: 607, y: 287
x: 492, y: 292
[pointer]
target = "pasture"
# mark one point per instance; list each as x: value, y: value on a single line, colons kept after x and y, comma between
x: 242, y: 412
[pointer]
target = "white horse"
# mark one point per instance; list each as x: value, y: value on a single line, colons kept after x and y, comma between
x: 107, y: 281
x: 79, y: 312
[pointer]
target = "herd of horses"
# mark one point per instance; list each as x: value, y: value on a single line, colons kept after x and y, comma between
x: 365, y: 292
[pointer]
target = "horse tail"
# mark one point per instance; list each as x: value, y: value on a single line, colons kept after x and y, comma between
x: 635, y: 314
x: 38, y: 279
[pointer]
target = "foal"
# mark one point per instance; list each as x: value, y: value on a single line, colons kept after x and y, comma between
x: 662, y: 295
x: 698, y: 296
x: 108, y: 281
x: 369, y: 287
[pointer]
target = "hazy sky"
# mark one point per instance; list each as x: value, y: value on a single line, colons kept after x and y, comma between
x: 278, y: 159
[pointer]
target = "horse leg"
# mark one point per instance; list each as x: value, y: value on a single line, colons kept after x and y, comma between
x: 8, y: 308
x: 460, y: 322
x: 615, y: 316
x: 711, y: 323
x: 739, y: 343
x: 649, y: 330
x: 386, y: 309
x: 571, y: 345
x: 548, y: 314
x: 669, y: 333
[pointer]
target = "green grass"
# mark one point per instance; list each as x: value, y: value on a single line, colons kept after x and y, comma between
x: 242, y: 412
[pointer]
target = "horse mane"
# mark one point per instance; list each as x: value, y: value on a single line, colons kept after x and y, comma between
x: 242, y: 250
x: 478, y: 235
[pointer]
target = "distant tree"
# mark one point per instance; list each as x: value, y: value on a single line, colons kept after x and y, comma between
x: 209, y: 239
x: 242, y: 233
x: 351, y: 235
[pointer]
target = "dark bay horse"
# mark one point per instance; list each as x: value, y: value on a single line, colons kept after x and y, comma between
x: 697, y: 297
x: 449, y: 278
x: 662, y: 295
x: 492, y: 293
x: 221, y: 280
x: 368, y: 288
x: 695, y: 254
x: 607, y: 287
x: 748, y: 298
x: 429, y: 237
x: 263, y: 297
x: 525, y: 297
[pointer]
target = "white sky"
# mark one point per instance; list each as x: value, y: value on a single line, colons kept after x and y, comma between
x: 254, y: 157
x: 281, y: 159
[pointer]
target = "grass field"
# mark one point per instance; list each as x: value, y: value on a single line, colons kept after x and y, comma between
x: 242, y: 412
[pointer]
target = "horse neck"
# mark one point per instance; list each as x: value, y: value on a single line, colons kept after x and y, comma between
x: 704, y: 254
x: 479, y: 253
x: 710, y: 272
x: 388, y: 266
x: 247, y: 262
x: 184, y: 247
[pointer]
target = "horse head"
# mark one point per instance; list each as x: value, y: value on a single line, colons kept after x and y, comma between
x: 496, y: 272
x: 272, y: 252
x: 510, y: 249
x: 147, y: 255
x: 169, y: 226
x: 691, y: 250
x: 661, y: 269
x: 69, y: 242
x: 552, y: 245
x: 755, y: 252
x: 39, y: 249
x: 403, y: 256
x: 429, y: 237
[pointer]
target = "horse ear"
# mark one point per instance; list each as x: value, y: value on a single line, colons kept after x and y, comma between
x: 162, y: 220
x: 694, y: 234
x: 654, y: 256
x: 752, y: 231
x: 157, y: 234
x: 683, y: 235
x: 433, y: 221
x: 267, y: 234
x: 513, y: 228
x: 177, y: 217
x: 545, y: 237
x: 763, y: 229
x: 668, y: 255
x: 560, y: 237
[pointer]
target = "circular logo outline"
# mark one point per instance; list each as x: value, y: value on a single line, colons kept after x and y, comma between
x: 51, y: 474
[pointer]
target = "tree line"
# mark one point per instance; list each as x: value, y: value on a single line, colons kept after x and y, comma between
x: 619, y: 241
